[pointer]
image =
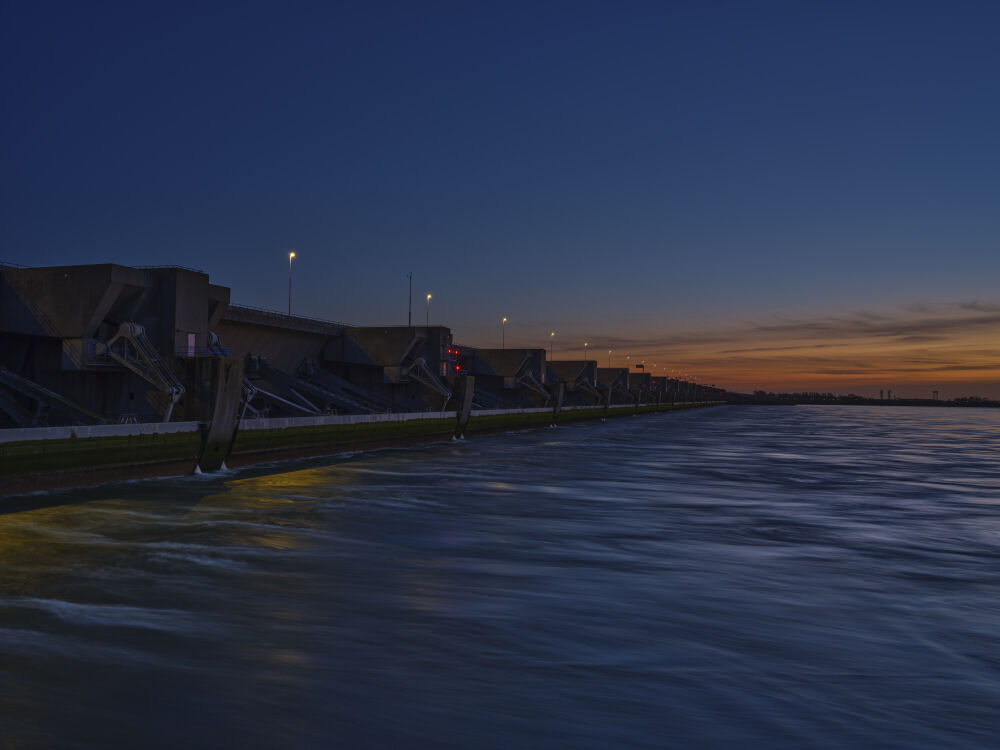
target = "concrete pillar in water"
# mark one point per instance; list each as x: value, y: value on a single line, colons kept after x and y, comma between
x: 558, y: 390
x: 607, y: 398
x: 465, y: 387
x: 227, y: 391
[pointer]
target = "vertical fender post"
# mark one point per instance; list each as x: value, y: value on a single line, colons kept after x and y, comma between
x: 465, y: 389
x: 558, y: 391
x: 227, y: 397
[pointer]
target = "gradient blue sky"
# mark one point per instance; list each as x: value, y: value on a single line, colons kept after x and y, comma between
x: 651, y: 177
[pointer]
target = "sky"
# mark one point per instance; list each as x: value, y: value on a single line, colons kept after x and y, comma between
x: 758, y: 195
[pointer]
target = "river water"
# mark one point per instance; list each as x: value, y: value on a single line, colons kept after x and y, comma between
x: 787, y: 577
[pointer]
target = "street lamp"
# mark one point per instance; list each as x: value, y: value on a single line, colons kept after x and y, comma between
x: 585, y: 345
x: 291, y: 254
x: 503, y: 330
x: 428, y: 321
x: 551, y: 336
x: 609, y: 357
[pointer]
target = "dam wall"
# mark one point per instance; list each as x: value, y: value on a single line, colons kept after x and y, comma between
x: 110, y: 371
x: 41, y: 458
x: 105, y: 343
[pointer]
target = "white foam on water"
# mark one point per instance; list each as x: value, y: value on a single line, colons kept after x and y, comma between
x: 115, y: 615
x: 204, y: 561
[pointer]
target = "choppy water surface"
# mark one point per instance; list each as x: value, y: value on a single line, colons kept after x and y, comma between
x: 821, y: 577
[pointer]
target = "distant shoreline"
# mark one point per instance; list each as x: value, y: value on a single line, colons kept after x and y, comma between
x: 782, y: 400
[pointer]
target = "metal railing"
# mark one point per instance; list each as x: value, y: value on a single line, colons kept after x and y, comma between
x: 6, y: 264
x: 286, y: 316
x: 202, y: 351
x: 173, y: 265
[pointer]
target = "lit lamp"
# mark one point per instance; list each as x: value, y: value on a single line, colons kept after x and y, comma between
x: 428, y: 321
x: 291, y: 255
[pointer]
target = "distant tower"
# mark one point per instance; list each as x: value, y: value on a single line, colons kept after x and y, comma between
x: 935, y: 395
x: 890, y: 394
x: 881, y: 395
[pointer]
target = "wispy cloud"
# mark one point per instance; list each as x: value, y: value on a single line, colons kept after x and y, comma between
x: 924, y: 344
x: 921, y: 343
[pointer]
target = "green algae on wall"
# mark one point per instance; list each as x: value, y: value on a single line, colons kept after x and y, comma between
x: 50, y: 457
x: 333, y: 437
x: 95, y: 453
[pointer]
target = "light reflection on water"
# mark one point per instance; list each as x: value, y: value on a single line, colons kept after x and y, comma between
x: 780, y: 577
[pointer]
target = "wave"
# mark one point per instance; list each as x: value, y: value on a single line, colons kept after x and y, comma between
x: 116, y: 615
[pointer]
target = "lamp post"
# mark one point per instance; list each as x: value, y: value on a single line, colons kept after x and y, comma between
x: 503, y: 330
x: 427, y: 322
x: 551, y: 336
x: 585, y: 345
x: 609, y: 357
x: 291, y: 255
x: 409, y: 309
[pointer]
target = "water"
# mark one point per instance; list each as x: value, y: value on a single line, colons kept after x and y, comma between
x: 821, y: 577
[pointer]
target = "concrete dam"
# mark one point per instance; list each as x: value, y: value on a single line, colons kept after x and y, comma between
x: 110, y: 371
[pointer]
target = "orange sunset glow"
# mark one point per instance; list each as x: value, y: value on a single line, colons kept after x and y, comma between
x: 912, y: 351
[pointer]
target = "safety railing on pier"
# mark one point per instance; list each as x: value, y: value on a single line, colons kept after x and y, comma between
x: 6, y: 264
x: 286, y: 316
x: 183, y: 268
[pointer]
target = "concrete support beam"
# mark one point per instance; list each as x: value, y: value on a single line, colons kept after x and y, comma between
x: 465, y: 389
x: 101, y: 309
x: 558, y: 391
x: 221, y: 431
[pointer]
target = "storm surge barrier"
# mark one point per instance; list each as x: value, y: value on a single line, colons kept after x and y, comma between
x: 36, y: 458
x: 196, y: 383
